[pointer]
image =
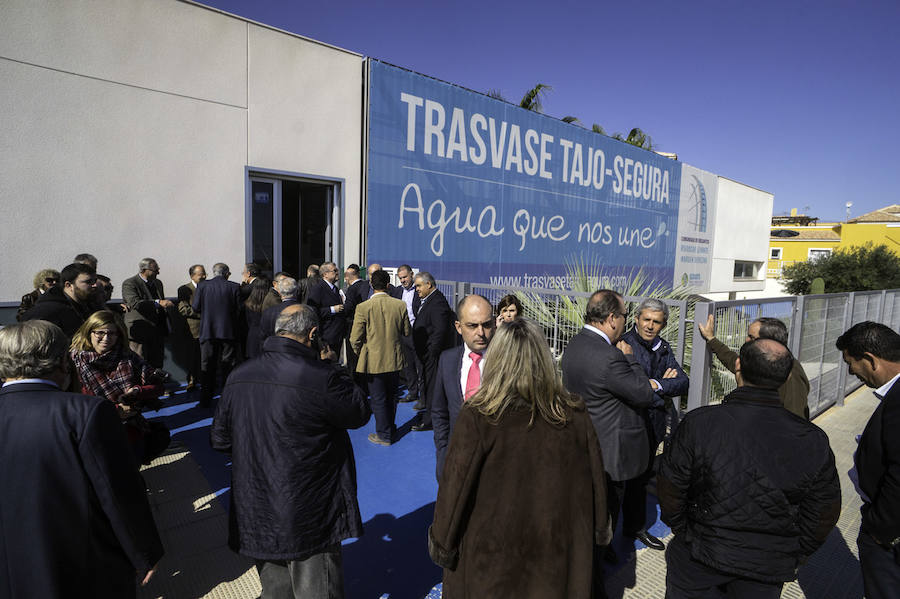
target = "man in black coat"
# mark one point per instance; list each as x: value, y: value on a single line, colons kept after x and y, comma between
x: 74, y: 516
x: 872, y: 352
x: 749, y: 489
x: 412, y: 372
x: 287, y: 292
x: 355, y: 290
x: 146, y: 318
x: 218, y: 301
x: 603, y: 370
x: 432, y: 334
x: 68, y: 304
x: 456, y: 380
x: 325, y: 298
x: 284, y: 418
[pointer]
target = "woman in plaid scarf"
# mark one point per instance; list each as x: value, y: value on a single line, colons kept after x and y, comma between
x: 107, y: 368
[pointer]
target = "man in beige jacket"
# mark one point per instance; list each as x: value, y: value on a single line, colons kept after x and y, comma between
x: 379, y: 325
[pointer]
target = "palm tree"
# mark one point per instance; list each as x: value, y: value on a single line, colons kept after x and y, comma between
x: 532, y: 99
x: 571, y: 119
x: 598, y: 129
x: 496, y: 94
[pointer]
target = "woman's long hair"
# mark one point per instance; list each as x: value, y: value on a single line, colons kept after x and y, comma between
x: 81, y: 341
x: 519, y: 374
x: 259, y: 289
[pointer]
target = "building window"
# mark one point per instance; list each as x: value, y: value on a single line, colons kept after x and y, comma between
x: 815, y: 253
x: 746, y: 270
x: 774, y: 253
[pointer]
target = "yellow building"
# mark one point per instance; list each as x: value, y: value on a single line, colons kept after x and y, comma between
x: 798, y: 238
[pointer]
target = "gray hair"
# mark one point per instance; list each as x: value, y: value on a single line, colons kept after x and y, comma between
x: 286, y: 287
x: 31, y: 350
x: 297, y: 322
x: 145, y: 264
x: 220, y: 269
x: 425, y: 276
x: 772, y: 328
x: 654, y: 305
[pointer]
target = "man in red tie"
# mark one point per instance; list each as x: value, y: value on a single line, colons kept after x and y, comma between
x: 460, y: 368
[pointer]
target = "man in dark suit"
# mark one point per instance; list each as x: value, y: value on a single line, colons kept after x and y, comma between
x: 604, y: 372
x: 872, y: 352
x: 412, y: 371
x: 75, y: 518
x: 197, y: 273
x: 459, y: 369
x: 325, y: 298
x: 218, y: 301
x: 287, y: 292
x: 70, y: 303
x: 432, y: 334
x: 355, y: 290
x: 146, y: 317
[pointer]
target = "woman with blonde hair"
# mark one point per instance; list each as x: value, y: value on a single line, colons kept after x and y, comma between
x: 106, y: 368
x: 522, y: 498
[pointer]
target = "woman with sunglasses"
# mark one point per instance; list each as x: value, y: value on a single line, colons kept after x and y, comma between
x: 106, y: 368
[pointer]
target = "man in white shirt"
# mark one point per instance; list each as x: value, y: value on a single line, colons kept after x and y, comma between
x: 460, y: 368
x: 872, y: 352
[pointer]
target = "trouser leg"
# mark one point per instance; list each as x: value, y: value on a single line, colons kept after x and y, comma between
x: 275, y: 579
x: 429, y: 375
x: 615, y: 493
x: 411, y: 370
x: 208, y: 361
x: 228, y: 357
x: 320, y: 575
x: 382, y: 394
x: 880, y: 568
x: 634, y: 504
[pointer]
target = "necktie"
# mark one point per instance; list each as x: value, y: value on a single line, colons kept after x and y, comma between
x: 473, y: 379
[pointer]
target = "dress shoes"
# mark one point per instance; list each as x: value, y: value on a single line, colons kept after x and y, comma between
x: 421, y: 427
x: 650, y: 541
x: 374, y: 438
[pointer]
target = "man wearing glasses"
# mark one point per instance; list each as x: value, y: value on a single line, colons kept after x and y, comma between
x: 602, y: 369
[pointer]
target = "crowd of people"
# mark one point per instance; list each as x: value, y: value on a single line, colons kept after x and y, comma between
x: 535, y: 461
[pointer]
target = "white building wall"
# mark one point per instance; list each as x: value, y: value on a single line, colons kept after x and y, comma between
x: 741, y: 233
x: 127, y: 127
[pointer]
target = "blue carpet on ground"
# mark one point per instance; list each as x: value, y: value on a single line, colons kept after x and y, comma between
x: 396, y: 491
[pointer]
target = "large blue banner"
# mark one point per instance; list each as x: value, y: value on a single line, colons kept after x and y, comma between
x: 475, y: 189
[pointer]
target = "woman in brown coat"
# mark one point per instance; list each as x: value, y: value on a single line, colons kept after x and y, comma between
x: 522, y: 499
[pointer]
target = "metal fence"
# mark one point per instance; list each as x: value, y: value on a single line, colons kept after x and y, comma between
x: 814, y: 323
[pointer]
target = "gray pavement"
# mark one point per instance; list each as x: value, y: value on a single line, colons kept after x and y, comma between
x: 198, y: 563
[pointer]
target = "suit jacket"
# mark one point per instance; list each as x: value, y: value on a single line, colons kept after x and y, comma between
x: 377, y: 335
x: 145, y: 320
x: 397, y: 292
x: 433, y: 332
x: 218, y: 301
x: 878, y: 464
x: 354, y: 294
x: 75, y: 517
x: 185, y: 298
x: 617, y: 393
x: 269, y: 316
x: 793, y: 392
x: 332, y: 327
x: 447, y: 401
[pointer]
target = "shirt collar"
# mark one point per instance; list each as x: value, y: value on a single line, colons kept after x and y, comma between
x: 598, y: 332
x: 885, y: 388
x: 39, y: 381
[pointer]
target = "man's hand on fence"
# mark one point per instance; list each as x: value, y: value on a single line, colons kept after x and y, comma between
x: 708, y: 331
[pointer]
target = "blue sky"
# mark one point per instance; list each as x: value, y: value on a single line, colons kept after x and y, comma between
x: 796, y: 98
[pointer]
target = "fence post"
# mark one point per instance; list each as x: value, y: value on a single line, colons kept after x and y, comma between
x: 698, y: 392
x: 796, y: 326
x: 848, y: 322
x: 881, y: 307
x: 682, y: 328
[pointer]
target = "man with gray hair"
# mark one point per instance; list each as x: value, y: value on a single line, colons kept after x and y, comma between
x: 71, y: 496
x: 146, y: 318
x: 283, y: 418
x: 668, y: 381
x: 218, y: 301
x: 795, y: 389
x: 286, y: 287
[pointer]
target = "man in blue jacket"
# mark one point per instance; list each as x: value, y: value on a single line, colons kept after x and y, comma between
x: 284, y: 417
x: 668, y: 381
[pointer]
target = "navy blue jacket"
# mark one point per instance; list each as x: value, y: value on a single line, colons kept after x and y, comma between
x: 284, y: 418
x: 218, y: 301
x: 332, y: 327
x: 447, y: 401
x: 74, y: 516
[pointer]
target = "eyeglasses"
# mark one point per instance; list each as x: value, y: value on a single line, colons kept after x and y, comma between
x: 100, y: 334
x: 51, y: 280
